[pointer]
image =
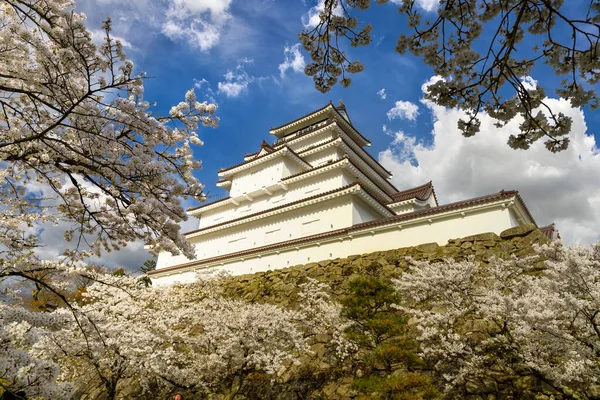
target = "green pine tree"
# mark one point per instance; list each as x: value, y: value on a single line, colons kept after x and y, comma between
x: 390, y: 364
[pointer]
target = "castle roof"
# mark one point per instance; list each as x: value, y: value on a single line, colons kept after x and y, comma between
x: 420, y: 193
x: 339, y: 113
x: 550, y: 231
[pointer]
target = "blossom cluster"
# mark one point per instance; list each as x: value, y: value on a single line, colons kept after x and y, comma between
x: 479, y: 47
x: 535, y: 315
x: 125, y: 334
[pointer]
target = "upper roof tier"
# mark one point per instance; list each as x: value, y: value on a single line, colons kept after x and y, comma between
x: 329, y: 111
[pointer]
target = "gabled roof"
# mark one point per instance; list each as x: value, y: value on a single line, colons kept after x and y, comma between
x: 377, y: 168
x: 302, y: 117
x: 421, y: 193
x: 342, y: 162
x: 264, y: 148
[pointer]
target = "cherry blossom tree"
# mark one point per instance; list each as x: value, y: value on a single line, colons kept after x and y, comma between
x: 484, y: 51
x: 511, y: 318
x: 80, y: 147
x: 185, y: 337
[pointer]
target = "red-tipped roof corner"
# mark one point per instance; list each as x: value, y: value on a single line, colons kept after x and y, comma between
x: 550, y: 231
x: 420, y: 193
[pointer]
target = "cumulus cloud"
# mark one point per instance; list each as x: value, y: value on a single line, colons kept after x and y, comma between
x: 205, y: 25
x: 236, y: 81
x: 382, y: 94
x: 563, y: 188
x: 312, y: 19
x: 426, y: 5
x: 403, y: 110
x: 292, y: 59
x: 529, y: 83
x: 200, y: 23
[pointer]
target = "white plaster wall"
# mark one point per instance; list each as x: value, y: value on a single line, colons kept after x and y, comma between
x: 361, y: 212
x: 296, y: 190
x: 321, y: 217
x: 290, y: 167
x: 253, y: 179
x: 491, y: 220
x: 323, y: 156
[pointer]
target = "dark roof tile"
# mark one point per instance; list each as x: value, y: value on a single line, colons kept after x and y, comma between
x: 420, y: 193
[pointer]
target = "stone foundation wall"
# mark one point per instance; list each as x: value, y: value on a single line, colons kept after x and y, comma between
x: 281, y: 286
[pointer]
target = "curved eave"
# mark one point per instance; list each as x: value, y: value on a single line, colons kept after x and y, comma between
x: 329, y: 109
x: 208, y: 206
x: 342, y: 163
x: 353, y: 152
x: 299, y: 123
x: 224, y: 184
x: 368, y: 159
x: 397, y: 204
x: 360, y: 139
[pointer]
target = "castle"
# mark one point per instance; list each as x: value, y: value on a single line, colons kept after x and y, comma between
x: 316, y: 194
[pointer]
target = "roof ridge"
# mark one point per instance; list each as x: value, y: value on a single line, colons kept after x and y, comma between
x: 304, y: 116
x: 208, y: 204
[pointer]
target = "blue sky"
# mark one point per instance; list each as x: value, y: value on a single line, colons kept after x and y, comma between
x: 244, y: 55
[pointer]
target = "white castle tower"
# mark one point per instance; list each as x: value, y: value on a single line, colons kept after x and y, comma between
x: 316, y: 194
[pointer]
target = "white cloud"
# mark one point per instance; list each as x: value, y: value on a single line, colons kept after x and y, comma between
x: 205, y: 90
x: 236, y: 82
x: 563, y: 188
x: 426, y: 5
x: 382, y: 94
x: 292, y: 59
x: 529, y: 83
x: 200, y: 23
x: 403, y: 110
x: 312, y: 19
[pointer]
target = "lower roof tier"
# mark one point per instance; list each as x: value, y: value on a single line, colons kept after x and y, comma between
x: 493, y: 212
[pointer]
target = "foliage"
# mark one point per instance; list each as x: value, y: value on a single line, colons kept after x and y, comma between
x: 511, y: 318
x: 79, y: 147
x: 380, y: 329
x: 149, y: 265
x: 514, y: 35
